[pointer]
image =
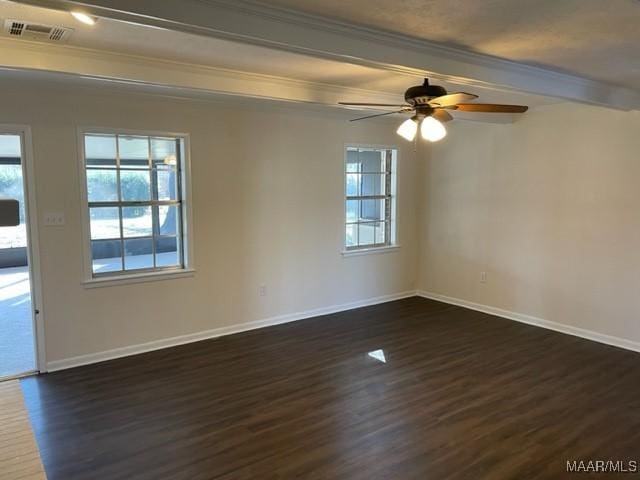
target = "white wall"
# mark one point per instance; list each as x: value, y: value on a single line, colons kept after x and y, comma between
x: 549, y: 207
x: 267, y: 209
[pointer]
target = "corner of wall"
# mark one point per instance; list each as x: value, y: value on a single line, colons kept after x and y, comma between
x: 423, y: 157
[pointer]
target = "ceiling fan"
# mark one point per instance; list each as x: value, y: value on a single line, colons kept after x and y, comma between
x: 429, y: 105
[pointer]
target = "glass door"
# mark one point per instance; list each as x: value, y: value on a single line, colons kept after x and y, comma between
x: 17, y: 332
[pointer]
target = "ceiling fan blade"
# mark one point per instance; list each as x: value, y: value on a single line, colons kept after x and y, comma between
x: 452, y: 99
x: 490, y: 107
x: 442, y: 115
x: 356, y: 104
x: 376, y: 115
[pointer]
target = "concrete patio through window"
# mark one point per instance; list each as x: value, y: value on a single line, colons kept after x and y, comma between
x: 135, y: 262
x: 16, y: 323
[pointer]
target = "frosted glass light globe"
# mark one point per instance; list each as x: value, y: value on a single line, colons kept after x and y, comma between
x: 432, y: 130
x: 408, y: 129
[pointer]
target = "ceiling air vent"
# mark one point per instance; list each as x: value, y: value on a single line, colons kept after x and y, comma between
x: 16, y: 28
x: 36, y: 31
x: 57, y: 33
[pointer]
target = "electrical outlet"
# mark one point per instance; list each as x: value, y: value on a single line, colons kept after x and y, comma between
x: 483, y: 277
x: 262, y: 290
x: 54, y: 219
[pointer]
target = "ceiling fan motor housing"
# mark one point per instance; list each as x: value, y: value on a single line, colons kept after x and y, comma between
x: 421, y: 94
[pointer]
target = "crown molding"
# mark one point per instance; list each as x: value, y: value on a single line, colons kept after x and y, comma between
x: 130, y: 74
x: 151, y: 72
x: 284, y: 29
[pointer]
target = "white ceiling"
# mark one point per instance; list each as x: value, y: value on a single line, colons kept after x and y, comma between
x: 133, y: 39
x: 598, y: 39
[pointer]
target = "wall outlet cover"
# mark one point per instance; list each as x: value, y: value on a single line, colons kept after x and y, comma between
x: 54, y: 219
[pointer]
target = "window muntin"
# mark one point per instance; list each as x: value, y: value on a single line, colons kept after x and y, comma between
x: 135, y: 202
x: 370, y: 190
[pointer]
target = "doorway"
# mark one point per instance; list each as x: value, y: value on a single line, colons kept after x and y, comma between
x: 18, y: 345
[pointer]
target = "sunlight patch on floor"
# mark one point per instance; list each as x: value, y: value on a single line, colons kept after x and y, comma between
x: 378, y: 355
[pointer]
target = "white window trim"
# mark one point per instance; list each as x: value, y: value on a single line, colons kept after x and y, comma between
x: 395, y: 245
x: 356, y: 252
x: 89, y: 281
x: 126, y: 279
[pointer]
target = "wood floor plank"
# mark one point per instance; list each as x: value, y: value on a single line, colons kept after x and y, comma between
x: 19, y: 457
x: 462, y: 395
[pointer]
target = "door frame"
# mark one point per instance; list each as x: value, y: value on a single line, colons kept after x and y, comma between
x: 33, y: 245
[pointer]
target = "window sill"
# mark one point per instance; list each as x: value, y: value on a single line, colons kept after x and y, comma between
x: 137, y: 278
x: 370, y: 251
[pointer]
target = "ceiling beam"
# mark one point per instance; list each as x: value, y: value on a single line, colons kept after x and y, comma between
x: 287, y: 30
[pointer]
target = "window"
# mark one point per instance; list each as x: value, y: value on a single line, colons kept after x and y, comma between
x: 135, y: 202
x: 370, y: 197
x: 11, y: 186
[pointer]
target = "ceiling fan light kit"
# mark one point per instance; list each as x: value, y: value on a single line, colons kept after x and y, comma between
x: 408, y: 129
x: 432, y: 130
x: 429, y: 105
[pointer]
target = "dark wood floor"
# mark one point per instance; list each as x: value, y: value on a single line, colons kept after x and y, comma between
x: 461, y: 395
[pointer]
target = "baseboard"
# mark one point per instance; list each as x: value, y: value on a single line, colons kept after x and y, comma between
x: 267, y: 322
x: 538, y: 322
x: 216, y: 332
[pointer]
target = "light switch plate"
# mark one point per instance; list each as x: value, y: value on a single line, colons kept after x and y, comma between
x: 54, y: 219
